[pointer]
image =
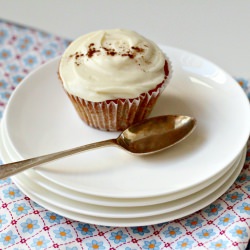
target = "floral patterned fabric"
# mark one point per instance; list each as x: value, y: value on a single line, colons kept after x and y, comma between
x: 26, y: 225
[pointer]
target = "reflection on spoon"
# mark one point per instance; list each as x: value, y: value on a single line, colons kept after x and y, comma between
x: 146, y: 137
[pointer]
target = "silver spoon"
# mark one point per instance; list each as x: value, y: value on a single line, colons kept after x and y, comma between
x: 146, y: 137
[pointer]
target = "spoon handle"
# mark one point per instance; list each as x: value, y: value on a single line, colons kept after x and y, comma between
x: 9, y: 169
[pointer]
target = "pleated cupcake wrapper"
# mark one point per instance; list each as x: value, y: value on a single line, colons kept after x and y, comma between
x: 117, y: 115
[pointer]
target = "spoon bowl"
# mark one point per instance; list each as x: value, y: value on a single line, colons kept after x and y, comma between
x: 156, y: 134
x: 146, y: 137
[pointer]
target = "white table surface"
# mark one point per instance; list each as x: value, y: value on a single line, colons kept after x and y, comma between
x: 216, y: 30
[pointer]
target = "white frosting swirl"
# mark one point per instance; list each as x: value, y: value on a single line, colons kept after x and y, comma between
x: 111, y: 64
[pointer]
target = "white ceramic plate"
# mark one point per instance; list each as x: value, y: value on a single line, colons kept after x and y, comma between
x: 106, y: 201
x: 32, y: 182
x: 28, y: 188
x: 138, y: 221
x: 40, y: 119
x: 115, y: 212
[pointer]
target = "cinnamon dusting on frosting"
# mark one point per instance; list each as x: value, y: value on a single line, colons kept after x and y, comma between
x: 92, y: 50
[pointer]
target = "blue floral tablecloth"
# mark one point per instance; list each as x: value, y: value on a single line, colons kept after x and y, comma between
x: 225, y: 224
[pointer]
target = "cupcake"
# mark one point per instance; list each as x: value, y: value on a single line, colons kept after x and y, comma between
x: 113, y: 77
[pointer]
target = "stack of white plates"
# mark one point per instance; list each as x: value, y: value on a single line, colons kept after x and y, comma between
x: 110, y: 187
